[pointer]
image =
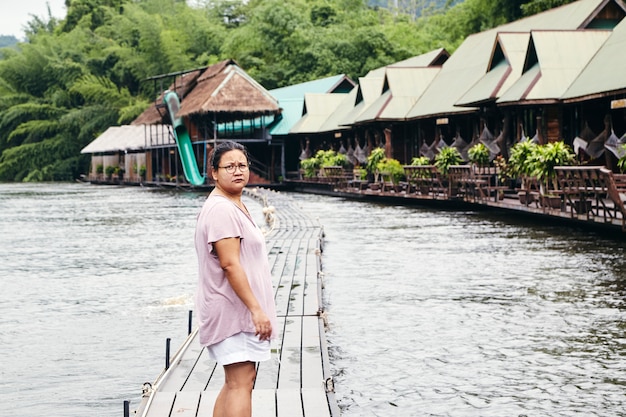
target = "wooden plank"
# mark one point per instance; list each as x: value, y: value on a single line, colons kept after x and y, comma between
x: 162, y: 402
x: 290, y: 354
x: 312, y: 297
x: 312, y: 370
x: 298, y: 261
x: 264, y: 403
x: 217, y: 379
x: 283, y: 286
x: 267, y: 371
x: 182, y: 368
x: 315, y: 403
x: 289, y: 403
x: 201, y: 374
x: 207, y: 401
x: 186, y: 404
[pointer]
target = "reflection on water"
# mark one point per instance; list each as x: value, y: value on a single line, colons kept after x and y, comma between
x: 460, y: 314
x: 431, y: 313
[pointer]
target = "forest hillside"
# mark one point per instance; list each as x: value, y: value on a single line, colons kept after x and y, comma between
x: 75, y: 77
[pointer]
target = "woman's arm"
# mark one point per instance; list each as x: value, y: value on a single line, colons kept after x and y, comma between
x: 227, y: 251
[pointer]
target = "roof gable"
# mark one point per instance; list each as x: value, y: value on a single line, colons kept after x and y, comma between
x: 555, y: 59
x: 228, y: 93
x: 505, y: 67
x: 317, y: 109
x: 607, y: 15
x: 604, y: 74
x: 470, y: 61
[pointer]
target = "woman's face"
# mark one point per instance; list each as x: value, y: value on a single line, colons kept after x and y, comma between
x: 232, y: 182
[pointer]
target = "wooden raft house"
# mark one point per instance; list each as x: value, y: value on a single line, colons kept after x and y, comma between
x: 297, y: 381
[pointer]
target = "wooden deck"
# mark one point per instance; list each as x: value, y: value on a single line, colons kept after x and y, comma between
x: 603, y: 210
x: 296, y: 382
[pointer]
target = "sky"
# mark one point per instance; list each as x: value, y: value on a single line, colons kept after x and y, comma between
x: 14, y: 14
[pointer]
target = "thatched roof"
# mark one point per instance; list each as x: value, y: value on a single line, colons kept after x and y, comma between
x: 182, y: 85
x: 222, y: 91
x: 227, y: 93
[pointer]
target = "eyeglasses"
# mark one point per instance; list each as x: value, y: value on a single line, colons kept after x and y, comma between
x: 231, y: 168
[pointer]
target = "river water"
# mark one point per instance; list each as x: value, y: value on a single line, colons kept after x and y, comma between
x: 431, y: 313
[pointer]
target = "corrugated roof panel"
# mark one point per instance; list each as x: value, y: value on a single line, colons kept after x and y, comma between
x: 333, y: 123
x: 502, y: 74
x: 291, y: 100
x: 410, y: 82
x: 371, y: 87
x: 605, y: 72
x: 322, y: 85
x: 487, y: 87
x: 318, y: 108
x: 469, y: 62
x: 406, y: 85
x: 373, y: 111
x: 514, y: 47
x: 462, y: 70
x: 561, y: 57
x: 290, y: 114
x: 368, y: 90
x: 517, y: 90
x: 121, y: 138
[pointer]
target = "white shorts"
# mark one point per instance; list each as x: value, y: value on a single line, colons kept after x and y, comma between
x: 241, y: 347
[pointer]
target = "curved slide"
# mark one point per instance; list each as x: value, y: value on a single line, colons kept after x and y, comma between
x: 183, y: 141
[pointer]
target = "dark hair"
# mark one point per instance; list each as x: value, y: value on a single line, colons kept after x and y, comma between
x: 224, y: 147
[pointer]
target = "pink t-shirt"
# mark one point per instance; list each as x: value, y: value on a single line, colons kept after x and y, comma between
x: 220, y: 312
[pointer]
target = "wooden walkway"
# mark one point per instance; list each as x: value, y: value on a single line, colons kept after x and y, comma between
x: 296, y: 382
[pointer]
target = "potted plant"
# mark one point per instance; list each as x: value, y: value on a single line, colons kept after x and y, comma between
x: 542, y: 162
x: 418, y: 177
x: 331, y: 162
x: 377, y: 155
x: 310, y: 167
x: 99, y: 169
x: 503, y: 174
x: 109, y: 171
x: 479, y: 155
x: 521, y: 169
x: 119, y: 172
x: 391, y: 168
x: 447, y: 157
x: 420, y: 161
x: 621, y: 163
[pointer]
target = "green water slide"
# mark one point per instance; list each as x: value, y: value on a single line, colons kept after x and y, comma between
x: 183, y: 141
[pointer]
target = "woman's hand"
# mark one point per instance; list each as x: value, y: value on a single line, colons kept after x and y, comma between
x: 262, y: 325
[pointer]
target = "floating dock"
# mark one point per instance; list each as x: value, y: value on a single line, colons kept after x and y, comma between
x: 297, y: 381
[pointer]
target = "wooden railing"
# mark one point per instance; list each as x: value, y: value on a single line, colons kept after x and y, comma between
x: 591, y: 191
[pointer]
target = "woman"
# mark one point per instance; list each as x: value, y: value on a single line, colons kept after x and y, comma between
x: 235, y: 300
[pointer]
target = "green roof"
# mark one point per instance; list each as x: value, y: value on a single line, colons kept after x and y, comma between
x: 605, y: 72
x: 505, y: 67
x: 470, y: 62
x: 557, y: 57
x: 291, y: 99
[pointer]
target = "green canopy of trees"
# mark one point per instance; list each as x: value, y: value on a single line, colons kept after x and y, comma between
x: 73, y: 78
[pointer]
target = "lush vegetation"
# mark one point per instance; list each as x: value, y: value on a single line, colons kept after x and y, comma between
x: 75, y: 77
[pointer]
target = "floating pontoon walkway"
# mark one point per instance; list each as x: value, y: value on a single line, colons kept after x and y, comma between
x: 297, y: 381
